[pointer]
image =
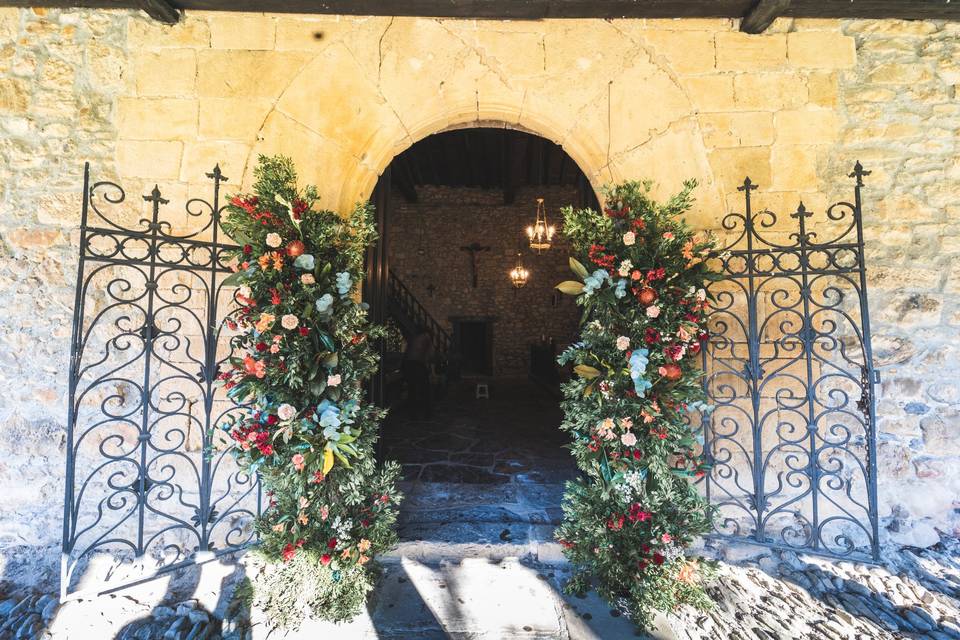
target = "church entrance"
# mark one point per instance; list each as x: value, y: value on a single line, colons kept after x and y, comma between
x: 464, y: 276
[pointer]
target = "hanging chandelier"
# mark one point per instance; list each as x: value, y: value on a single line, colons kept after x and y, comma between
x: 540, y: 234
x: 519, y: 274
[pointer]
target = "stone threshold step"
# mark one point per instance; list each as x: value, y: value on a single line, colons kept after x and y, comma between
x: 432, y: 552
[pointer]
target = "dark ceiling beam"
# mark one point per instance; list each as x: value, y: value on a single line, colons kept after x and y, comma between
x: 434, y: 155
x: 762, y: 15
x: 515, y: 166
x: 161, y: 11
x: 539, y: 9
x: 403, y: 178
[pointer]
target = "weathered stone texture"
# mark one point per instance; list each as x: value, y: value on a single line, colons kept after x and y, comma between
x: 667, y: 99
x: 908, y: 137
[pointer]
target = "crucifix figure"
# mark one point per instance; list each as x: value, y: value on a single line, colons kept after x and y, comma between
x: 474, y: 250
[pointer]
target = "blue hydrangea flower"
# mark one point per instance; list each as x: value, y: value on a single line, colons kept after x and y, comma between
x: 638, y: 366
x: 304, y: 261
x: 594, y: 281
x: 325, y: 303
x: 621, y: 289
x: 329, y: 418
x: 344, y: 283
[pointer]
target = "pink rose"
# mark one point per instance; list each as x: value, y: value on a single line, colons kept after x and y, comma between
x: 298, y: 461
x: 628, y: 439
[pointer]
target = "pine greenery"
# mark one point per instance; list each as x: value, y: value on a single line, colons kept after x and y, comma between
x: 627, y: 522
x: 301, y: 355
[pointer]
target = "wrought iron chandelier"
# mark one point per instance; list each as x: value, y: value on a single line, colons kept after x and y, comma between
x: 540, y: 234
x: 519, y: 274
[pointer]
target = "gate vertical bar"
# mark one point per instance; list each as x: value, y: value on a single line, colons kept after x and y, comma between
x: 807, y: 338
x: 78, y: 306
x: 872, y: 378
x: 149, y: 330
x: 753, y: 365
x: 210, y: 365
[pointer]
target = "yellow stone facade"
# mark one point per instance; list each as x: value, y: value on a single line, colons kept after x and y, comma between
x: 344, y: 95
x: 792, y: 108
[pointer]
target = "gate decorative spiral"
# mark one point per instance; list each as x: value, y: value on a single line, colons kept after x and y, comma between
x: 789, y: 369
x: 150, y: 485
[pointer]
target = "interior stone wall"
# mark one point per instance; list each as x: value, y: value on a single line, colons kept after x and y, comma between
x: 423, y: 245
x: 664, y: 99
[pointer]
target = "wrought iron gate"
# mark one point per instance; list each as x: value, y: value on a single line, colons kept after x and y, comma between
x: 150, y: 486
x: 789, y: 368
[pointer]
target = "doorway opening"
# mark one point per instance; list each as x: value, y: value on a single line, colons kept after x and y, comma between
x: 469, y: 372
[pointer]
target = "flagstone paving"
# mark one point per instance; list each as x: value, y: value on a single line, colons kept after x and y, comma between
x: 513, y: 590
x: 477, y: 561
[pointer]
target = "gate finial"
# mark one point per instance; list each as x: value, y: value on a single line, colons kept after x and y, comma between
x: 858, y: 173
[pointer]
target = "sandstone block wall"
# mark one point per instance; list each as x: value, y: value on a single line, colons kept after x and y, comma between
x: 664, y: 99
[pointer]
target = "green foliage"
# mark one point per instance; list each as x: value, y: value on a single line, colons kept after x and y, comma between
x: 302, y: 351
x: 627, y: 522
x: 286, y: 593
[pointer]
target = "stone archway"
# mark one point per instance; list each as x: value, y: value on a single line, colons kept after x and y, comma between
x: 366, y: 96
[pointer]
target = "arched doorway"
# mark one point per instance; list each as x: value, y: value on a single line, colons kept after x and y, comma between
x: 477, y: 427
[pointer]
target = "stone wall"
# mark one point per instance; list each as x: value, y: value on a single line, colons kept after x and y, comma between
x: 665, y: 99
x: 424, y: 241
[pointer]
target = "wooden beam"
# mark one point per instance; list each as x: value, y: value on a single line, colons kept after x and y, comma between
x: 161, y: 11
x: 762, y: 15
x: 540, y: 9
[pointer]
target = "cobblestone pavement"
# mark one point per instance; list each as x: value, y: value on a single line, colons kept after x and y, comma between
x: 512, y: 589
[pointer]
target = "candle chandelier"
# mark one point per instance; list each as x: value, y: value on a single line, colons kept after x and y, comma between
x: 540, y: 234
x: 519, y: 274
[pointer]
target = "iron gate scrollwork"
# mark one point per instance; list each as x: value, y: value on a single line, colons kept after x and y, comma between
x: 150, y: 486
x: 791, y: 441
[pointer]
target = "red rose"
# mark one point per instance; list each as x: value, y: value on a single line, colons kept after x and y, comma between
x: 647, y: 296
x: 289, y: 551
x: 332, y: 543
x: 272, y: 419
x: 295, y: 248
x: 658, y: 559
x: 651, y: 336
x: 247, y: 249
x: 325, y: 559
x: 304, y: 331
x: 267, y: 449
x: 672, y: 371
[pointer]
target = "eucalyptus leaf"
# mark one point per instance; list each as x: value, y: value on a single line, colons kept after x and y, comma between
x: 577, y: 267
x: 570, y: 287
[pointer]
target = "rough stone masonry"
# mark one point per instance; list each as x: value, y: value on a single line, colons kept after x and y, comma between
x: 664, y: 99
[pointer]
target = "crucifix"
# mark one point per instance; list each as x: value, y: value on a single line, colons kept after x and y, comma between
x: 474, y: 250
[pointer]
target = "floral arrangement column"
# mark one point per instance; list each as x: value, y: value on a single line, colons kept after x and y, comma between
x: 641, y: 285
x: 300, y: 359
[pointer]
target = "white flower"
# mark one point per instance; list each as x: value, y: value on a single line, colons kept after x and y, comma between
x: 308, y: 278
x: 334, y: 380
x: 701, y: 295
x: 623, y: 343
x: 629, y: 238
x: 628, y: 439
x: 286, y: 412
x: 274, y: 240
x: 289, y: 321
x: 244, y: 291
x: 653, y: 311
x: 625, y: 268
